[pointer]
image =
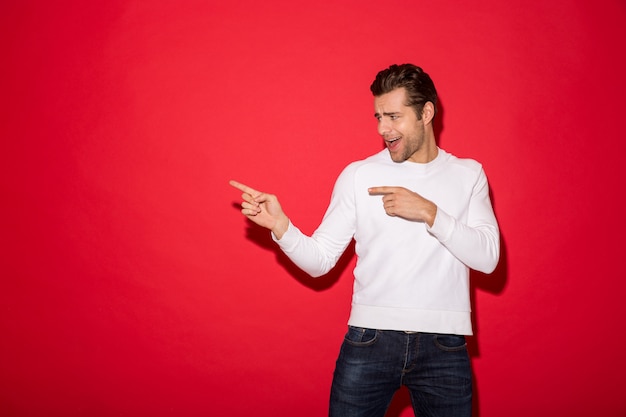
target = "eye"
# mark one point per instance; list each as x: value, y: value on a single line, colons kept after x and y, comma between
x: 394, y: 117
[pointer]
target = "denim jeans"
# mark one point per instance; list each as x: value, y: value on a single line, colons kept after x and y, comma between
x: 374, y: 364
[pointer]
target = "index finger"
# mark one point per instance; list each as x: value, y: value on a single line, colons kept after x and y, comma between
x: 382, y: 190
x: 244, y: 188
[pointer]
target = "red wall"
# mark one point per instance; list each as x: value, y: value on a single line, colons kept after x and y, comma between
x: 132, y: 286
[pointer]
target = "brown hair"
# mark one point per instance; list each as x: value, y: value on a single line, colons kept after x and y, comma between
x: 420, y: 89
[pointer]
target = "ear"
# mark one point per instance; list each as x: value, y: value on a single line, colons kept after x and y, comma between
x: 428, y: 112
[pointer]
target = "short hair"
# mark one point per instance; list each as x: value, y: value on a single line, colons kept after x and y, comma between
x: 420, y: 89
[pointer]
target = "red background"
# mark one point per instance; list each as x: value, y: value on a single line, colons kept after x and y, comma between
x: 131, y: 285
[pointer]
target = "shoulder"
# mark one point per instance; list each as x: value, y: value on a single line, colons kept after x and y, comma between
x: 461, y: 163
x: 378, y: 159
x: 374, y: 162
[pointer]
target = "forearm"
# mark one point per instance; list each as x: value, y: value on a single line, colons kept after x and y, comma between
x: 477, y: 246
x: 315, y: 255
x: 319, y: 253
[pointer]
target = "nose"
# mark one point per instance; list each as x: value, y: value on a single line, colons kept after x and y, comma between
x: 383, y: 126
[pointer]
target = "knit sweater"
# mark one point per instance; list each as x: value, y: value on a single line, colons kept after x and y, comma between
x: 408, y: 276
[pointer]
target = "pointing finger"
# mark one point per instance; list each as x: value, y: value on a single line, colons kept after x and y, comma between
x: 244, y: 188
x: 382, y: 190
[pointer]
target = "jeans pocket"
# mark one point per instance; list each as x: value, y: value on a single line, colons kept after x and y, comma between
x: 359, y: 336
x: 450, y: 342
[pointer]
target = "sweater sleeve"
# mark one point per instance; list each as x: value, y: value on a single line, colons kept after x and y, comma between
x: 477, y: 242
x: 317, y: 254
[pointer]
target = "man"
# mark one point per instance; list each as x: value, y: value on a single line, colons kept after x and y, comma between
x: 421, y: 218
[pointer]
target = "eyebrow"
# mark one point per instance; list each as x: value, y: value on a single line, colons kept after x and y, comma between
x: 393, y: 113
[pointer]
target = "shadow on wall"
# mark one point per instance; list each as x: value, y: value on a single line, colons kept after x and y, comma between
x: 262, y: 238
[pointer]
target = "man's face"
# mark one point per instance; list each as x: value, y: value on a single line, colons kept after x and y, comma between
x: 399, y: 126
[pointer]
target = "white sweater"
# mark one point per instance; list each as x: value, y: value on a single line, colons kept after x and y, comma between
x: 408, y: 276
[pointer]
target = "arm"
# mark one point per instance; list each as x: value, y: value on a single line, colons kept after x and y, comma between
x: 315, y: 255
x: 318, y: 254
x: 476, y: 243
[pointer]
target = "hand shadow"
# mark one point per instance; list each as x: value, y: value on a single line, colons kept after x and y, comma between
x: 262, y: 237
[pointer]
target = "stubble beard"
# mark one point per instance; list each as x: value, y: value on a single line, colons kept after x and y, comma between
x: 413, y: 144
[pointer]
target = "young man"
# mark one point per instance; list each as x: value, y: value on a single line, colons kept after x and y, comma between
x: 421, y: 218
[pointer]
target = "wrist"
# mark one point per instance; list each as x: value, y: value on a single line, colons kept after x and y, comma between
x: 281, y: 226
x: 431, y: 215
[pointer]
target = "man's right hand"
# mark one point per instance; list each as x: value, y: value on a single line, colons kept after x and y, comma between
x: 263, y: 209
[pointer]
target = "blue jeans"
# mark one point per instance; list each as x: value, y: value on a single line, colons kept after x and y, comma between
x: 374, y: 364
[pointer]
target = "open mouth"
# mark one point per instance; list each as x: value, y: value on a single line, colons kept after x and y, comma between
x: 391, y: 143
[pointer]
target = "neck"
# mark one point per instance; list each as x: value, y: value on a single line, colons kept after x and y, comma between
x: 427, y: 152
